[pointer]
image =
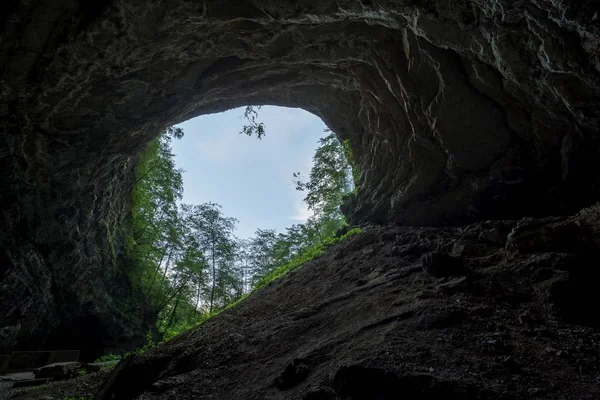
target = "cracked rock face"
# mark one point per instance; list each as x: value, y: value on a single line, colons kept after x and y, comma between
x: 455, y: 110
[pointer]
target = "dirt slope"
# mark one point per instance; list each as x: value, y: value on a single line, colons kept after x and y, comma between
x: 515, y: 319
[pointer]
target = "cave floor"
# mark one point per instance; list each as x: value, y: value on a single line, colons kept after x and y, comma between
x: 508, y: 313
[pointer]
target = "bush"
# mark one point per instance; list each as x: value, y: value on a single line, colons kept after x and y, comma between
x: 108, y: 357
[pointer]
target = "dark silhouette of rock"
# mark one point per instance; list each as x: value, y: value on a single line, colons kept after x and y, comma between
x: 295, y: 372
x: 496, y: 334
x: 439, y: 264
x: 132, y: 376
x: 455, y: 111
x: 61, y: 370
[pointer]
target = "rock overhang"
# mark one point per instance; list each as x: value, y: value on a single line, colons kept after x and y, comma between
x: 455, y: 111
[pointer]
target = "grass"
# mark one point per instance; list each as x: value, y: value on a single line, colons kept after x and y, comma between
x: 310, y: 254
x: 108, y: 357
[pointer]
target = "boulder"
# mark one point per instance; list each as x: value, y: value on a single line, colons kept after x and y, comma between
x: 61, y: 370
x: 439, y: 264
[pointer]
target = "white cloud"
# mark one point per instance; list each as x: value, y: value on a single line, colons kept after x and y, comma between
x: 302, y: 213
x: 218, y: 149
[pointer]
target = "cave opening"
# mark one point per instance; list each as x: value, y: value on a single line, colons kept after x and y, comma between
x: 252, y: 179
x: 456, y: 112
x: 217, y: 214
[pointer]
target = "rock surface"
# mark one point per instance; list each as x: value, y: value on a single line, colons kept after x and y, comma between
x: 63, y: 370
x: 351, y: 325
x: 456, y: 111
x: 81, y: 387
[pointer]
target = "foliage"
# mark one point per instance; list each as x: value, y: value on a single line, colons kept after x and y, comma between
x: 281, y: 270
x: 182, y: 256
x: 148, y: 345
x: 186, y: 258
x: 309, y: 254
x: 108, y: 357
x: 253, y: 127
x: 155, y: 223
x: 330, y: 180
x: 330, y: 177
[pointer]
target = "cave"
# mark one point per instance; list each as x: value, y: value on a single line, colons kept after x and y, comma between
x: 456, y: 112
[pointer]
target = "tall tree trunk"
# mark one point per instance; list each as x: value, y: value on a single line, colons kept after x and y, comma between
x: 167, y: 266
x: 243, y: 281
x: 172, y: 316
x: 198, y: 296
x: 319, y: 234
x: 214, y: 276
x: 170, y: 295
x: 162, y: 257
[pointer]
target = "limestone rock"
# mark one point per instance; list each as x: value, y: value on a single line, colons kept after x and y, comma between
x: 439, y: 264
x: 57, y: 370
x: 455, y: 111
x: 295, y: 372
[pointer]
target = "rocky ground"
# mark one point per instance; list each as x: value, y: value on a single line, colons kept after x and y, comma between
x: 494, y: 310
x: 80, y: 388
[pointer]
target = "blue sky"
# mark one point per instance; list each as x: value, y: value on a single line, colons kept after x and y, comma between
x: 250, y: 178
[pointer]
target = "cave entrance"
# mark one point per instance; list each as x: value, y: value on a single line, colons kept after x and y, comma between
x: 217, y: 213
x: 455, y: 112
x: 252, y: 179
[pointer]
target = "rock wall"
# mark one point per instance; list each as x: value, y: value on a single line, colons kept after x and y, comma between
x: 68, y: 287
x: 456, y: 111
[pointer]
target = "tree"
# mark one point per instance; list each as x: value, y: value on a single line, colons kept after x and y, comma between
x: 330, y: 177
x: 245, y: 268
x: 329, y: 181
x: 214, y: 234
x: 156, y: 227
x: 261, y: 249
x: 186, y: 258
x: 183, y: 256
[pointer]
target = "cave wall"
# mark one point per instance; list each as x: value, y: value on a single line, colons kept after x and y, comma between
x: 456, y: 111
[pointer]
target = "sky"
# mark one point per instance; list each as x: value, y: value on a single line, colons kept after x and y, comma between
x: 250, y: 178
